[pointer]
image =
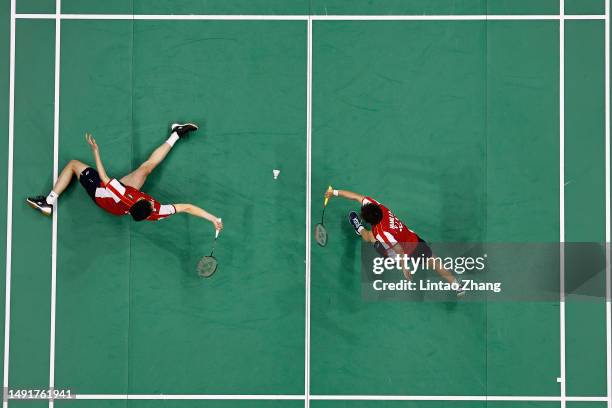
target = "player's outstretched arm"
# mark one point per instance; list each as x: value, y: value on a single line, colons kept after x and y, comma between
x: 199, y: 212
x: 96, y: 152
x: 349, y: 195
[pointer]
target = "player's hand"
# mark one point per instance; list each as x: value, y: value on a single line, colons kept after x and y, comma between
x: 329, y: 193
x: 218, y: 224
x: 91, y: 142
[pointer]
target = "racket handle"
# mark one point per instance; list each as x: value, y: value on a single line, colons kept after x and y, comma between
x: 217, y: 231
x: 327, y: 198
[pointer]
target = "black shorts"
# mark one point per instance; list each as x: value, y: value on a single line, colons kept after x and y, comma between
x: 422, y: 249
x: 90, y: 180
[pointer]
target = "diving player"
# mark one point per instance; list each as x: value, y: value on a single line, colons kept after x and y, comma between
x: 123, y: 196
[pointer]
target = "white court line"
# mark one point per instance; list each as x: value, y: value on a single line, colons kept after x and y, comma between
x: 308, y: 208
x: 607, y: 198
x: 482, y: 17
x: 449, y: 398
x: 9, y: 203
x: 562, y: 201
x: 333, y: 397
x: 253, y: 397
x: 56, y: 109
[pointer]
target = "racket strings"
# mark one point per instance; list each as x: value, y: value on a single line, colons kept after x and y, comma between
x: 321, y: 234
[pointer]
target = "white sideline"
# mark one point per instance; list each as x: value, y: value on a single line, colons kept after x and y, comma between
x: 607, y: 199
x: 308, y: 208
x: 9, y: 203
x: 56, y: 109
x: 562, y: 376
x: 481, y: 17
x: 332, y: 397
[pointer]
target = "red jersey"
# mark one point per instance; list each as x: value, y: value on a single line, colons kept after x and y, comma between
x: 117, y: 199
x: 391, y: 230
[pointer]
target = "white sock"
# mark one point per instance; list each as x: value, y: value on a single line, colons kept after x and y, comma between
x: 52, y: 197
x: 172, y: 139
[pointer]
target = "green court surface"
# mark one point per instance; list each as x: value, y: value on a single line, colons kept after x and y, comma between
x: 456, y: 124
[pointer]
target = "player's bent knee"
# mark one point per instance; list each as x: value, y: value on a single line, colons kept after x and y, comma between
x: 76, y: 166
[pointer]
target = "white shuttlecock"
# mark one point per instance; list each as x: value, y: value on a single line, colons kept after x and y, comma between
x: 275, y: 173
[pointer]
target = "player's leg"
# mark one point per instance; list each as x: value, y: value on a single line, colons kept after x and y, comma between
x: 441, y: 270
x: 138, y: 177
x: 45, y: 204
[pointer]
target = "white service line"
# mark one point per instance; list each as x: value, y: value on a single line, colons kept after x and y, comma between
x: 185, y: 397
x: 9, y: 204
x: 449, y: 398
x: 308, y: 207
x: 332, y: 397
x: 473, y: 17
x: 56, y: 110
x: 607, y: 199
x: 480, y: 17
x: 562, y: 201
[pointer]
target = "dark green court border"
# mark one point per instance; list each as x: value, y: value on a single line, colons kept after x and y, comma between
x: 585, y: 194
x: 32, y: 166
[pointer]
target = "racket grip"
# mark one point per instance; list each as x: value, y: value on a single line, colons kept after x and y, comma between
x: 327, y: 198
x: 217, y: 231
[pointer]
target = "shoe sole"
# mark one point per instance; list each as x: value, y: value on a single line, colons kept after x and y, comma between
x: 36, y: 207
x: 172, y: 126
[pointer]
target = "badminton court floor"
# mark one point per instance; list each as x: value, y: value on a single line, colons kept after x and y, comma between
x: 470, y: 128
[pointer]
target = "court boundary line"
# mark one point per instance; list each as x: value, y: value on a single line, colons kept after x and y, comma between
x: 308, y: 209
x: 9, y: 202
x: 56, y: 110
x: 562, y: 373
x: 607, y: 201
x: 297, y: 397
x: 58, y: 16
x: 253, y: 17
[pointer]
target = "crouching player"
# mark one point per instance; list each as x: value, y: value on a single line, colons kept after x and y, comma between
x: 389, y: 234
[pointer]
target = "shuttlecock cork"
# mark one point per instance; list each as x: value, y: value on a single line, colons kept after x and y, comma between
x: 275, y: 173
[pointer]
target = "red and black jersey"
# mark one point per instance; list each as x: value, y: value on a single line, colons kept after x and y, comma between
x: 391, y: 231
x: 117, y: 199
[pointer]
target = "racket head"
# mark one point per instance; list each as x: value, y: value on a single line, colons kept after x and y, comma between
x: 207, y: 266
x: 320, y: 234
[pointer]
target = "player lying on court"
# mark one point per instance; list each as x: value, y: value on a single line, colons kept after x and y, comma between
x: 123, y: 196
x: 389, y: 234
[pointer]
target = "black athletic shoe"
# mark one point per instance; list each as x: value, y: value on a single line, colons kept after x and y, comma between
x: 355, y: 222
x: 40, y: 203
x: 182, y: 129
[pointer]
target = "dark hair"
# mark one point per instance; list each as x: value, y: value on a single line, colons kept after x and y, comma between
x: 371, y: 213
x: 141, y: 210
